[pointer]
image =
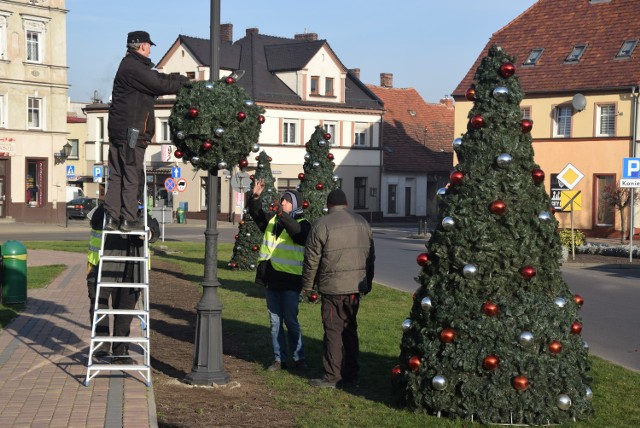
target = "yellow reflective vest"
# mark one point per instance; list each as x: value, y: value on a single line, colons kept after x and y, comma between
x: 285, y: 255
x: 95, y: 241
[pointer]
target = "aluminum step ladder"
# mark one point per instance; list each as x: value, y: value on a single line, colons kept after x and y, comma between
x: 141, y: 262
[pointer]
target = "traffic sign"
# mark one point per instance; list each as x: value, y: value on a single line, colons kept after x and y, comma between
x: 571, y: 199
x: 175, y: 172
x: 182, y: 184
x: 240, y: 182
x: 630, y: 182
x: 97, y: 174
x: 169, y: 184
x: 631, y: 168
x: 570, y: 176
x: 71, y: 171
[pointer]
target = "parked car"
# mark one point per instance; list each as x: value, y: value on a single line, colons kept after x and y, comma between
x: 80, y: 207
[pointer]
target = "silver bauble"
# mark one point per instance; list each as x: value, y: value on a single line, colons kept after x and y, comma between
x: 442, y: 191
x: 500, y: 93
x: 439, y: 383
x: 469, y: 271
x: 255, y: 148
x: 457, y: 143
x: 222, y: 165
x: 588, y: 393
x: 248, y: 235
x: 270, y: 190
x: 244, y: 211
x: 335, y: 178
x: 325, y: 210
x: 248, y: 103
x: 425, y: 303
x: 299, y: 188
x: 406, y: 324
x: 209, y: 85
x: 322, y: 142
x: 239, y: 247
x: 260, y: 165
x: 585, y: 345
x: 544, y: 216
x: 315, y: 164
x: 252, y: 266
x: 307, y: 156
x: 180, y: 135
x: 448, y: 223
x: 504, y: 160
x: 526, y: 338
x: 195, y: 160
x: 559, y: 302
x: 563, y: 402
x: 219, y: 132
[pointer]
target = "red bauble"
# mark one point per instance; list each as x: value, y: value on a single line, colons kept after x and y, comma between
x: 229, y: 80
x: 206, y: 145
x: 252, y: 177
x: 527, y: 272
x: 555, y: 347
x: 526, y: 125
x: 178, y: 154
x: 520, y: 383
x: 507, y: 69
x: 305, y: 205
x: 477, y: 121
x: 490, y: 309
x: 241, y: 116
x: 537, y: 175
x: 233, y: 265
x: 313, y: 297
x: 447, y: 335
x: 257, y: 157
x: 490, y: 362
x: 396, y: 371
x: 327, y: 136
x: 576, y: 328
x: 319, y: 186
x: 578, y: 299
x: 269, y: 158
x: 301, y: 176
x: 261, y: 119
x: 330, y: 156
x: 193, y: 113
x: 470, y: 95
x: 456, y: 177
x: 498, y: 207
x: 237, y: 237
x: 241, y: 222
x: 415, y: 295
x: 255, y: 248
x: 243, y: 163
x: 422, y: 259
x: 414, y: 363
x: 553, y: 210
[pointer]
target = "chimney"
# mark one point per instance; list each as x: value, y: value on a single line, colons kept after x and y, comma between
x: 226, y: 33
x: 447, y: 102
x: 309, y: 37
x: 386, y: 80
x: 251, y: 31
x: 355, y: 72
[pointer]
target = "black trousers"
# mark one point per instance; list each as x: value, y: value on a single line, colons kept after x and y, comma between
x: 125, y: 172
x: 340, y: 345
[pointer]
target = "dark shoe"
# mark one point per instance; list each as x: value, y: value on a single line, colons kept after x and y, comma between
x: 300, y: 365
x: 348, y: 383
x: 111, y: 223
x: 322, y: 383
x: 131, y: 225
x: 277, y: 365
x: 102, y: 351
x: 124, y: 360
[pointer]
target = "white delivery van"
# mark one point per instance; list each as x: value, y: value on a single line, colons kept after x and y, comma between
x: 74, y: 192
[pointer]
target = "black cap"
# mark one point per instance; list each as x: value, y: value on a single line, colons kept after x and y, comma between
x: 336, y: 197
x: 139, y: 37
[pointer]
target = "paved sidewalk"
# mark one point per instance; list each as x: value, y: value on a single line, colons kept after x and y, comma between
x: 43, y: 355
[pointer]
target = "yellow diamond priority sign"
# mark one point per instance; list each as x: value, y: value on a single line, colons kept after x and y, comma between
x: 570, y: 176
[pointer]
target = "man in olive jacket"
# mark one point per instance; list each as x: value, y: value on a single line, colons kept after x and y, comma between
x: 339, y: 260
x: 131, y: 127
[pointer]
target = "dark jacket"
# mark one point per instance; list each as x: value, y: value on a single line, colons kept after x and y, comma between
x: 266, y: 275
x: 135, y: 89
x: 339, y: 255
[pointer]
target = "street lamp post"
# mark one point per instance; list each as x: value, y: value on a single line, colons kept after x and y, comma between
x: 207, y: 360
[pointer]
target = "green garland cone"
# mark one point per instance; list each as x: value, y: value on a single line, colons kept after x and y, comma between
x: 318, y: 178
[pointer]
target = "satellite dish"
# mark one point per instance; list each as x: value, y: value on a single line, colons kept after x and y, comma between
x: 579, y: 102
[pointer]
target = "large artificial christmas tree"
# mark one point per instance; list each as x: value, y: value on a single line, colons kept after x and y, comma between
x: 494, y: 331
x: 249, y: 237
x: 317, y: 180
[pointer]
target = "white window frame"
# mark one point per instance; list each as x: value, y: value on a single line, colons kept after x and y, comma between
x: 562, y: 119
x: 526, y: 112
x: 40, y: 113
x: 331, y: 127
x: 165, y: 132
x: 606, y: 120
x: 75, y: 149
x: 3, y: 112
x: 37, y: 26
x: 361, y: 135
x: 627, y: 49
x: 3, y: 35
x: 290, y: 131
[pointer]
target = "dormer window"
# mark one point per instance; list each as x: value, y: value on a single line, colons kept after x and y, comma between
x: 315, y: 85
x: 576, y: 53
x: 627, y: 49
x: 328, y: 86
x: 533, y: 57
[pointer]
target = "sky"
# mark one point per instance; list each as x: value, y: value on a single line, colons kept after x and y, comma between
x: 428, y: 45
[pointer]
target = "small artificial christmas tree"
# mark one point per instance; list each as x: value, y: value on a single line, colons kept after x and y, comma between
x: 318, y: 179
x: 494, y: 332
x: 249, y: 237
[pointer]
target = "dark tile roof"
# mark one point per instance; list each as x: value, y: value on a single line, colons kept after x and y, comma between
x: 261, y: 56
x: 557, y: 26
x: 416, y: 135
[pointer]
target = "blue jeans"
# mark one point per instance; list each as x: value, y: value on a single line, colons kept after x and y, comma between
x: 283, y: 310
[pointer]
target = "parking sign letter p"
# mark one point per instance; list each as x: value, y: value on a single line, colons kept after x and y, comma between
x: 634, y: 167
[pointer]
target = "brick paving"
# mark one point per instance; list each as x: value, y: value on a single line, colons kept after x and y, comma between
x: 43, y: 355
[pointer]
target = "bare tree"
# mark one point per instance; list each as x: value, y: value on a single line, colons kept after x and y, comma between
x: 619, y: 198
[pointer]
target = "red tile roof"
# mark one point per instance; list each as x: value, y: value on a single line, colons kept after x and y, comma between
x: 417, y: 135
x: 557, y: 26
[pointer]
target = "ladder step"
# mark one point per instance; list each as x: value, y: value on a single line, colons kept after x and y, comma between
x: 138, y: 312
x: 118, y: 367
x: 119, y: 232
x: 123, y: 284
x: 127, y: 339
x: 122, y: 259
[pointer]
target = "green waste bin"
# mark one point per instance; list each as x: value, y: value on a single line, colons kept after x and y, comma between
x: 14, y: 272
x: 180, y: 215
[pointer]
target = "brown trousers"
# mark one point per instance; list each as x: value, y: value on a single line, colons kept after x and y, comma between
x: 340, y: 345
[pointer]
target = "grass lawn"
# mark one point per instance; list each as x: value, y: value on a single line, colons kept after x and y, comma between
x: 616, y: 390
